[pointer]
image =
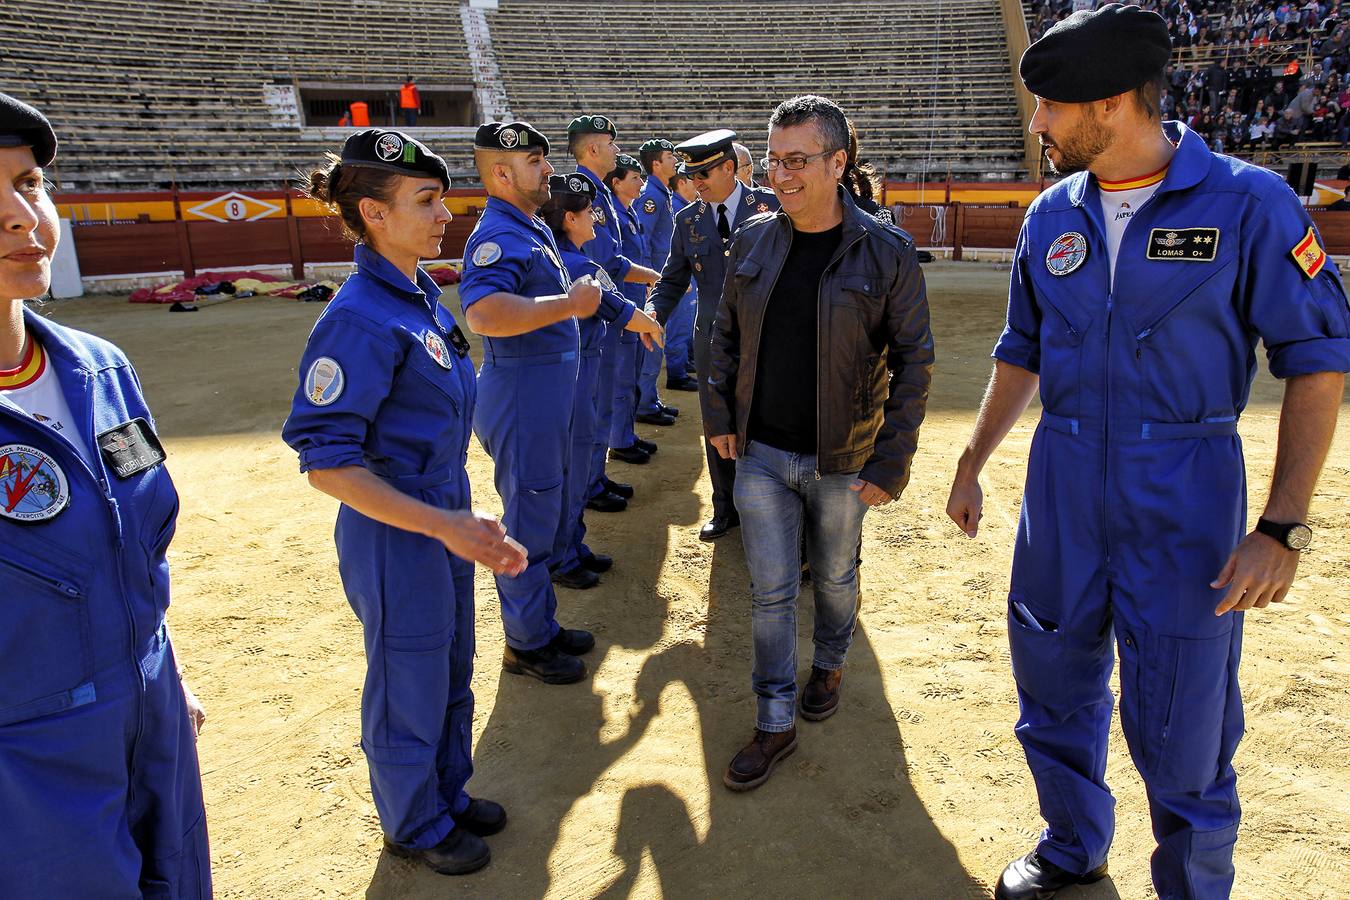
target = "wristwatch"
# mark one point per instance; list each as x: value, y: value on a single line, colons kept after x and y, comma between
x: 1295, y: 536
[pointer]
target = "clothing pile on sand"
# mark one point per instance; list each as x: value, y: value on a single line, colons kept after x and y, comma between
x: 184, y: 294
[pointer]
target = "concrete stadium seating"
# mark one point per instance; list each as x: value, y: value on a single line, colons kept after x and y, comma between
x: 147, y: 94
x: 927, y: 82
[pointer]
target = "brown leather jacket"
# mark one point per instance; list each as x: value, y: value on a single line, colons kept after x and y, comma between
x: 874, y: 349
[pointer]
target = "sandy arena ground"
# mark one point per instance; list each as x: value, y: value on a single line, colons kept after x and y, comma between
x: 916, y: 788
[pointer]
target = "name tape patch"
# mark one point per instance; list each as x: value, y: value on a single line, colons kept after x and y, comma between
x: 1183, y: 244
x: 130, y: 448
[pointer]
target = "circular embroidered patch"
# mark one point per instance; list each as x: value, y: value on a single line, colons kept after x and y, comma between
x: 598, y: 215
x: 324, y: 381
x: 576, y: 185
x: 605, y: 281
x: 34, y: 487
x: 486, y: 254
x: 436, y: 347
x: 389, y: 147
x: 649, y: 206
x: 1066, y: 253
x: 508, y: 138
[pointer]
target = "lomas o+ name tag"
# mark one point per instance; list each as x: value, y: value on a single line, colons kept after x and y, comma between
x: 1183, y: 244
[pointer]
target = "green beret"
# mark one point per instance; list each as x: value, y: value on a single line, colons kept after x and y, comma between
x: 592, y: 125
x: 625, y: 163
x: 1093, y: 55
x: 394, y: 151
x: 656, y: 145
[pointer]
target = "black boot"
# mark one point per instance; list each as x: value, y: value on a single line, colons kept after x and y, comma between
x: 549, y: 664
x: 573, y: 641
x: 619, y: 489
x: 460, y: 853
x: 483, y: 817
x: 578, y: 578
x: 1034, y: 878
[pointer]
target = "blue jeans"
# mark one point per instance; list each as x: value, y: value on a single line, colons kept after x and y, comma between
x: 777, y: 495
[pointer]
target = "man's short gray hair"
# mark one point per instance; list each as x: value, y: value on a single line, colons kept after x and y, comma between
x: 742, y: 155
x: 810, y: 109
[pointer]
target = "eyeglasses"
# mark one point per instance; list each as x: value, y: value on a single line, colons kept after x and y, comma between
x: 794, y: 163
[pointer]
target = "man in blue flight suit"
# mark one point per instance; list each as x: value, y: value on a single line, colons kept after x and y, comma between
x: 515, y: 293
x: 593, y: 143
x: 682, y: 193
x: 1141, y: 287
x: 699, y: 247
x: 656, y: 211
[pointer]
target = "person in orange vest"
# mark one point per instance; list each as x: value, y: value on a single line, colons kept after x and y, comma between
x: 409, y: 102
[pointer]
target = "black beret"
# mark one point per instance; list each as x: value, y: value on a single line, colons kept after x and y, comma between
x: 592, y: 125
x: 394, y: 151
x: 625, y: 163
x: 1094, y: 55
x: 509, y: 136
x: 575, y: 183
x: 656, y: 145
x: 707, y: 150
x: 23, y: 126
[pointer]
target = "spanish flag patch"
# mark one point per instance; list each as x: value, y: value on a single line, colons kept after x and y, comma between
x: 1309, y: 254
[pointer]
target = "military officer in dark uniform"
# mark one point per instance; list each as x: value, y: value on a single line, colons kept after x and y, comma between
x: 699, y: 247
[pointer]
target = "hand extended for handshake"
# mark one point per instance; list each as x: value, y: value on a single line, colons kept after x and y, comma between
x: 585, y: 297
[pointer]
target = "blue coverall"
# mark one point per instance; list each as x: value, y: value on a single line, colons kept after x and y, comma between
x: 1136, y: 491
x: 606, y: 249
x: 614, y: 313
x: 526, y: 387
x: 99, y: 786
x: 382, y: 386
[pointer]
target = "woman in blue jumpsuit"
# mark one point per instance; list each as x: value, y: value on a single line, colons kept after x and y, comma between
x: 381, y: 421
x: 99, y: 786
x: 568, y: 215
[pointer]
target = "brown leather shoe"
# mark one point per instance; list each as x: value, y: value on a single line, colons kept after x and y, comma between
x: 755, y: 763
x: 820, y: 697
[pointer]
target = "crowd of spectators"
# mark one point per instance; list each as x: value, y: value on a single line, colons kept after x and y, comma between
x: 1249, y: 75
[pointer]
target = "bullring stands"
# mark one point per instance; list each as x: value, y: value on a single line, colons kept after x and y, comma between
x: 201, y: 93
x: 927, y: 82
x: 150, y: 93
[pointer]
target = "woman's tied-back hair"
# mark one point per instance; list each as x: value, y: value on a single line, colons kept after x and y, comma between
x: 343, y: 188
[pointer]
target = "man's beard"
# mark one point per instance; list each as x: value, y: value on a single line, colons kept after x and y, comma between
x: 538, y: 194
x: 1080, y: 149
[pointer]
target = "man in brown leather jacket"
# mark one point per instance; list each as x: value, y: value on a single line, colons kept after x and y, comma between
x: 820, y: 363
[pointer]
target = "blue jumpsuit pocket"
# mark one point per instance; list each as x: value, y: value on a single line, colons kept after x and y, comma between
x: 1053, y: 668
x: 541, y: 501
x: 1181, y: 702
x: 46, y: 646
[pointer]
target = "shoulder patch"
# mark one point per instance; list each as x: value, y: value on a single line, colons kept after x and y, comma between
x: 324, y: 381
x: 649, y: 206
x: 605, y: 281
x: 749, y: 199
x: 486, y: 254
x: 1309, y: 255
x: 598, y: 214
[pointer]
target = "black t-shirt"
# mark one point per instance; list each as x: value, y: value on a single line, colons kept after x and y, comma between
x: 783, y: 412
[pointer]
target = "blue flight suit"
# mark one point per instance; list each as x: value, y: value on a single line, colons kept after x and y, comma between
x: 657, y: 220
x: 382, y: 387
x: 1136, y: 491
x: 629, y: 360
x: 99, y: 783
x: 680, y: 325
x: 607, y: 250
x: 698, y: 254
x: 527, y: 387
x: 614, y: 312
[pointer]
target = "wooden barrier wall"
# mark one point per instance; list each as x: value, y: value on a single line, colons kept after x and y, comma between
x: 287, y: 236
